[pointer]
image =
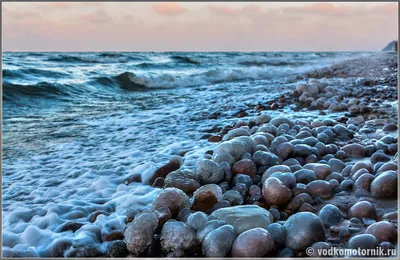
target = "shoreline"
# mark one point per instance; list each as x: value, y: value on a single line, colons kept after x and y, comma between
x: 309, y: 167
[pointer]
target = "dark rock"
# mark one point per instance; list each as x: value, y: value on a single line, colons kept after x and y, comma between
x: 384, y: 231
x: 197, y: 220
x: 173, y: 198
x: 278, y: 233
x: 234, y: 197
x: 139, y: 233
x: 172, y: 165
x: 209, y: 172
x: 246, y: 167
x: 354, y: 150
x: 275, y: 192
x: 117, y: 248
x: 321, y: 170
x: 379, y: 156
x: 218, y: 242
x: 206, y: 196
x: 330, y: 215
x: 303, y: 229
x: 177, y: 235
x: 242, y: 178
x: 256, y: 242
x: 184, y: 180
x: 244, y: 217
x: 362, y: 209
x: 363, y: 241
x: 319, y: 188
x: 385, y: 185
x: 207, y: 228
x: 304, y: 176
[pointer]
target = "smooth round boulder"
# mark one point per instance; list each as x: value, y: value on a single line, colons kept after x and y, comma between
x: 330, y: 215
x: 244, y: 217
x: 206, y: 196
x: 354, y: 150
x: 321, y: 170
x: 184, y: 180
x: 209, y: 172
x: 363, y: 241
x: 384, y: 231
x: 284, y: 150
x: 275, y: 192
x: 336, y: 165
x: 362, y: 209
x: 138, y: 234
x: 319, y: 188
x: 364, y: 182
x: 245, y: 166
x: 379, y: 156
x: 177, y: 235
x: 303, y: 229
x: 197, y: 220
x: 172, y: 198
x: 219, y: 242
x: 385, y: 185
x: 262, y: 158
x: 256, y: 242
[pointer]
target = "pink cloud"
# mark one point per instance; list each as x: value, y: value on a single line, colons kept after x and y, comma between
x: 100, y: 16
x: 390, y: 8
x: 225, y: 10
x: 320, y: 9
x: 58, y: 5
x: 168, y: 8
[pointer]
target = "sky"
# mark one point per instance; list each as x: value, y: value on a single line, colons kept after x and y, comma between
x: 191, y: 26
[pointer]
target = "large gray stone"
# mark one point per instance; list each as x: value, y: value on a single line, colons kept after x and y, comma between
x: 244, y: 217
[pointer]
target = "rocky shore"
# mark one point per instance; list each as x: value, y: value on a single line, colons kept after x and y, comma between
x: 275, y: 186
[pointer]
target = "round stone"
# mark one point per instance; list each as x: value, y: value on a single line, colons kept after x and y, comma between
x: 362, y: 209
x: 385, y: 185
x: 177, y: 235
x: 173, y: 198
x: 138, y: 234
x: 245, y: 166
x: 278, y: 233
x: 219, y: 242
x: 303, y: 229
x: 255, y: 242
x: 363, y: 241
x: 206, y: 196
x: 354, y: 150
x: 234, y: 197
x: 275, y: 192
x: 330, y: 215
x: 209, y: 171
x: 319, y: 188
x: 384, y: 231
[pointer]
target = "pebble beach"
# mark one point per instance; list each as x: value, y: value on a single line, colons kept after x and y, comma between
x: 313, y: 164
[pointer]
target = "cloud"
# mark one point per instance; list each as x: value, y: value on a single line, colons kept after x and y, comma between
x: 320, y: 9
x: 99, y: 16
x: 58, y: 5
x: 168, y: 8
x: 387, y: 9
x: 225, y: 10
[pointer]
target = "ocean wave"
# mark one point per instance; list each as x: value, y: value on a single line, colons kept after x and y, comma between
x: 43, y: 89
x: 29, y: 72
x: 185, y: 59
